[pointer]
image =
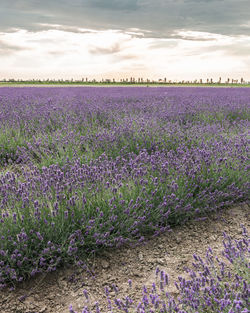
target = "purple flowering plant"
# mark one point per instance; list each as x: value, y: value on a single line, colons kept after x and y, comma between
x: 84, y: 169
x: 215, y: 286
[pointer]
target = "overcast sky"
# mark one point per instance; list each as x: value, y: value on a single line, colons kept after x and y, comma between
x: 177, y: 39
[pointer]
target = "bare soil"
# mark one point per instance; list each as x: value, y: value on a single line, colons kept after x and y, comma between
x: 171, y: 252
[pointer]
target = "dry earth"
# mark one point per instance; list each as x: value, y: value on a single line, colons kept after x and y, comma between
x: 171, y: 252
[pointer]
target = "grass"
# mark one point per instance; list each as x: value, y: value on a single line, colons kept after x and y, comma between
x: 144, y: 84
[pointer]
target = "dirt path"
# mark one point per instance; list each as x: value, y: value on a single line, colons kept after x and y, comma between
x: 171, y: 252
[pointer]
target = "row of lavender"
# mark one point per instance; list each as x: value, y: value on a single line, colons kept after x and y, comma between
x: 215, y: 285
x: 89, y: 168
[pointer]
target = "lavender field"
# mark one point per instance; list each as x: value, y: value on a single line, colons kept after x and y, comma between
x: 83, y: 169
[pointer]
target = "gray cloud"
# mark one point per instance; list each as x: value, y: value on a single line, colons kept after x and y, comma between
x: 7, y: 49
x: 160, y: 17
x: 70, y: 29
x: 163, y: 44
x: 192, y: 38
x: 125, y: 57
x: 233, y: 49
x: 106, y: 50
x: 239, y: 50
x: 115, y: 5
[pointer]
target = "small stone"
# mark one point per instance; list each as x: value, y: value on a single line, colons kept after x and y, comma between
x: 43, y: 309
x: 184, y: 260
x: 151, y: 261
x: 140, y: 256
x: 240, y: 231
x: 178, y: 240
x: 136, y: 274
x: 110, y: 278
x: 105, y: 264
x: 160, y: 261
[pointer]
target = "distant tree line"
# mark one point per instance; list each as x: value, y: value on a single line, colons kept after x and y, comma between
x: 131, y: 80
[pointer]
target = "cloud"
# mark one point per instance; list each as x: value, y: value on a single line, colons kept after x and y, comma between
x: 177, y: 38
x: 235, y: 48
x: 158, y: 18
x: 115, y: 5
x: 70, y: 29
x: 239, y: 51
x: 125, y: 57
x: 106, y: 50
x: 57, y: 53
x: 8, y: 48
x: 196, y: 36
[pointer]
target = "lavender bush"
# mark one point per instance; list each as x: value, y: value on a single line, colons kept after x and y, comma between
x: 213, y: 287
x: 87, y: 168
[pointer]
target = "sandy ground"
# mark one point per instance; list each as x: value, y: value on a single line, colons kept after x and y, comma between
x: 171, y: 252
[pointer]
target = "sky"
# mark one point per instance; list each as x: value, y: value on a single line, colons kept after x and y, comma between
x: 176, y: 39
